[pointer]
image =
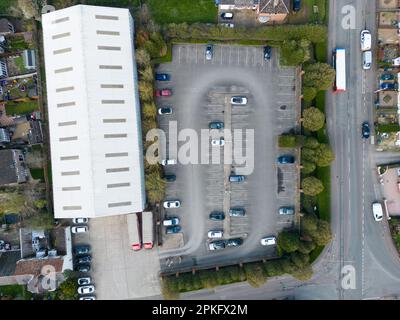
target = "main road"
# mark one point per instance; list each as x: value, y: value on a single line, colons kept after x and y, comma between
x: 361, y: 261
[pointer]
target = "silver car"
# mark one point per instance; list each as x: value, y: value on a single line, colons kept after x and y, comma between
x: 209, y: 52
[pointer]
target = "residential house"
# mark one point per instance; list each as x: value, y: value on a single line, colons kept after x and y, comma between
x: 26, y: 132
x: 6, y: 27
x: 12, y: 167
x: 29, y: 59
x: 3, y: 69
x: 4, y: 137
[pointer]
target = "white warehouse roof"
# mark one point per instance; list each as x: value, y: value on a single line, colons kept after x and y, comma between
x: 94, y: 112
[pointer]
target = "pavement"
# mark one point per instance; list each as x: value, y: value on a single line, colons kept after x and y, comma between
x: 202, y: 90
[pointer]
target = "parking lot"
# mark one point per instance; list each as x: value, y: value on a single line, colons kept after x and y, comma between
x: 201, y: 94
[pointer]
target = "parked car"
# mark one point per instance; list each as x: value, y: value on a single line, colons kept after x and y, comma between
x: 236, y: 242
x: 216, y: 125
x: 218, y: 142
x: 267, y: 53
x: 388, y: 86
x: 387, y: 76
x: 165, y: 110
x: 163, y: 77
x: 286, y: 210
x: 84, y: 281
x: 227, y: 15
x: 84, y: 259
x: 79, y: 229
x: 80, y: 220
x: 83, y: 268
x: 365, y: 40
x: 286, y: 159
x: 217, y: 215
x: 365, y: 130
x: 170, y: 177
x: 239, y: 100
x: 86, y: 289
x: 228, y: 25
x: 237, y: 212
x: 163, y: 93
x: 296, y: 5
x: 82, y: 250
x: 167, y: 162
x: 172, y: 204
x: 217, y: 245
x: 367, y: 60
x: 209, y: 52
x: 377, y: 211
x: 87, y: 298
x: 173, y: 229
x: 173, y: 221
x: 236, y: 178
x: 215, y: 234
x: 268, y: 241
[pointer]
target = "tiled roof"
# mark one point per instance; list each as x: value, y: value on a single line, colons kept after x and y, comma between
x: 274, y: 6
x: 34, y: 266
x: 8, y: 173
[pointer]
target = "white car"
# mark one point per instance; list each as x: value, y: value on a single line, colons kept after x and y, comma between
x: 79, y: 229
x: 215, y: 234
x: 88, y: 298
x: 174, y: 221
x: 377, y: 211
x: 172, y: 204
x: 367, y: 60
x: 239, y: 100
x: 268, y: 241
x: 80, y: 220
x: 86, y: 289
x: 365, y: 40
x: 167, y: 162
x: 218, y: 142
x: 84, y: 281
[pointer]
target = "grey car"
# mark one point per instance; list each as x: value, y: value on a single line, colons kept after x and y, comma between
x: 237, y: 212
x: 286, y: 210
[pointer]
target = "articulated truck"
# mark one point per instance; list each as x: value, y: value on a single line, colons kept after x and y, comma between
x: 133, y: 231
x: 147, y: 229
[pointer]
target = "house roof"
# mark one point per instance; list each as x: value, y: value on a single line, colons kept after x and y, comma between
x: 4, y: 28
x: 8, y: 167
x: 34, y: 266
x: 274, y: 6
x: 8, y: 260
x: 239, y: 3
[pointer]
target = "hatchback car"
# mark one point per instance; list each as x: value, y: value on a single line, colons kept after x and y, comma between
x: 365, y: 40
x: 236, y: 242
x: 218, y: 142
x: 83, y: 268
x: 171, y: 222
x: 227, y: 15
x: 239, y: 100
x: 286, y: 210
x: 237, y: 212
x: 217, y: 215
x: 209, y: 52
x: 267, y: 53
x: 87, y: 298
x: 367, y: 60
x: 84, y: 259
x: 162, y: 77
x: 296, y: 5
x: 167, y: 162
x: 172, y: 204
x: 388, y: 86
x: 165, y: 110
x: 80, y: 220
x: 216, y: 125
x: 377, y: 211
x: 236, y: 178
x: 79, y: 229
x: 286, y: 159
x: 387, y: 76
x: 365, y: 130
x: 170, y: 177
x: 163, y: 93
x: 86, y: 289
x: 217, y: 245
x: 268, y: 241
x: 215, y: 234
x: 173, y: 229
x: 82, y: 250
x: 84, y: 281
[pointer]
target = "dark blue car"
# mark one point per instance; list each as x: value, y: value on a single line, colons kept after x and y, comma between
x: 296, y: 5
x: 163, y: 77
x: 286, y: 159
x: 388, y: 86
x: 236, y: 178
x: 216, y: 215
x: 365, y: 130
x: 173, y: 229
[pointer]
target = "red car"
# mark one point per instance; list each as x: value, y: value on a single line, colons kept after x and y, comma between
x: 163, y: 93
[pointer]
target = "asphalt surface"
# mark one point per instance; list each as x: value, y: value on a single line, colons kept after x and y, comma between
x: 201, y: 94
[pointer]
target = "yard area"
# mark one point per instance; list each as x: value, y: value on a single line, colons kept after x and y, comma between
x: 306, y: 14
x: 15, y: 292
x: 21, y: 107
x: 178, y: 11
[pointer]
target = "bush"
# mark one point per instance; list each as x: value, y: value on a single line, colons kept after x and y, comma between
x: 312, y: 186
x: 255, y: 274
x: 387, y: 128
x: 287, y: 141
x: 308, y: 155
x: 273, y: 268
x: 300, y: 260
x: 155, y: 187
x: 307, y: 167
x: 303, y: 274
x: 309, y: 94
x: 169, y: 288
x: 208, y: 278
x: 306, y: 247
x: 294, y: 53
x: 311, y: 143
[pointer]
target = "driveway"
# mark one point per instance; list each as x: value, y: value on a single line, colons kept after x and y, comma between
x: 202, y: 90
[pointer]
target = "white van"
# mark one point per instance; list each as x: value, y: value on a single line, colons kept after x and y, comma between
x: 367, y: 60
x: 377, y: 211
x: 365, y: 40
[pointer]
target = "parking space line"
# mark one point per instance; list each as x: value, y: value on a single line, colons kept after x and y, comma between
x: 247, y: 56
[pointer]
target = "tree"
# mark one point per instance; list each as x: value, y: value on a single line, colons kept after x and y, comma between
x: 322, y: 236
x: 309, y: 224
x: 306, y: 247
x: 309, y: 94
x: 313, y: 119
x: 146, y: 91
x: 294, y: 53
x: 318, y: 75
x: 311, y: 143
x: 308, y: 155
x: 273, y: 268
x: 142, y: 57
x: 300, y: 260
x: 289, y: 241
x: 255, y: 274
x: 307, y: 167
x: 149, y: 110
x: 312, y: 186
x: 155, y: 187
x: 324, y: 155
x: 146, y: 74
x: 68, y: 290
